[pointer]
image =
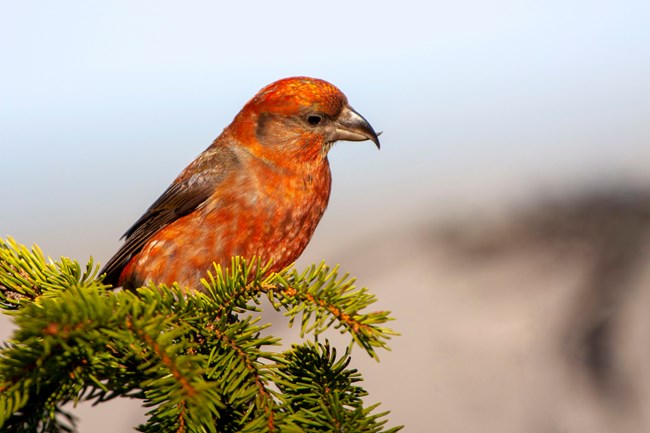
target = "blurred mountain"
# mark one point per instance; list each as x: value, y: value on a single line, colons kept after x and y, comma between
x: 529, y: 318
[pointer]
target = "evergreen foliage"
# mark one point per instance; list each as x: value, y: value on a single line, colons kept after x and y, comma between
x: 199, y: 361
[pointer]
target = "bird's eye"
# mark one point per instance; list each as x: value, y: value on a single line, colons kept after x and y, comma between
x: 314, y: 119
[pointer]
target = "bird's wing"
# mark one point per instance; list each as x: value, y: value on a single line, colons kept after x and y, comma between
x: 188, y: 192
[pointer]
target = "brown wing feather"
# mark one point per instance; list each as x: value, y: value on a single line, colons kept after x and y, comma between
x: 192, y: 187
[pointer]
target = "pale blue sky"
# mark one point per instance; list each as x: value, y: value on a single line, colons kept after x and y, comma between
x: 103, y: 103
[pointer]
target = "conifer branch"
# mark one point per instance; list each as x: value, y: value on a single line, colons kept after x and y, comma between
x: 198, y: 360
x: 323, y: 300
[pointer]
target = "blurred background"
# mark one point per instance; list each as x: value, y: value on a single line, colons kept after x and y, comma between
x: 505, y: 220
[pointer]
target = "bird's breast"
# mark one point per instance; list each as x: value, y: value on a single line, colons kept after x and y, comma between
x: 261, y: 213
x: 282, y: 212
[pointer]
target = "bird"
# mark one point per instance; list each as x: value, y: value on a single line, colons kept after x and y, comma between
x: 258, y: 191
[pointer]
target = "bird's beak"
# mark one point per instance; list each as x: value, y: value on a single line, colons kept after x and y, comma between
x: 351, y: 126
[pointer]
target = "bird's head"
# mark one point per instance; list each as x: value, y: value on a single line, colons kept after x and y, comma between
x: 299, y: 117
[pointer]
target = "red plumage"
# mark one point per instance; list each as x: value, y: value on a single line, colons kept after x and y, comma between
x: 258, y: 190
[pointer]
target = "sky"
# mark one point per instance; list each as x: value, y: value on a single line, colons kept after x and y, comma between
x: 103, y: 103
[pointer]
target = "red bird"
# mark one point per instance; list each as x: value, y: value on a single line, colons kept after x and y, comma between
x: 258, y: 190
